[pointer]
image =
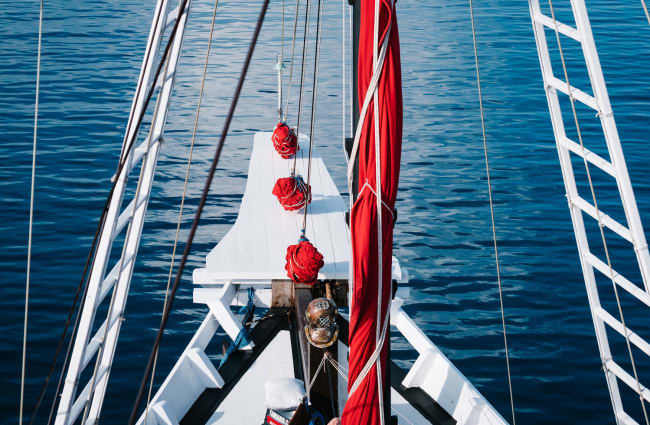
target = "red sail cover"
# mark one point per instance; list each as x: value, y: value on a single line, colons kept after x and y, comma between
x: 362, y: 406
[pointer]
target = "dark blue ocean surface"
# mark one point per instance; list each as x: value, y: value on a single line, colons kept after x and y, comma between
x: 91, y: 59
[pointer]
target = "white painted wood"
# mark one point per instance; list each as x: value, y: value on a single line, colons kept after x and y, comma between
x: 246, y: 402
x: 562, y: 28
x: 612, y: 366
x: 204, y: 368
x: 182, y: 386
x: 616, y: 167
x: 104, y: 246
x: 262, y: 296
x: 593, y: 158
x: 406, y: 414
x: 620, y: 280
x: 624, y: 418
x: 434, y: 373
x: 256, y: 246
x: 118, y: 280
x: 163, y: 417
x: 220, y: 308
x: 132, y: 238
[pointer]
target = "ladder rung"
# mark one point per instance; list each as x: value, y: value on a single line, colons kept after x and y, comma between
x: 618, y: 327
x: 624, y: 418
x: 107, y: 284
x: 171, y: 18
x: 93, y: 345
x: 562, y: 28
x: 621, y: 281
x: 111, y: 278
x: 593, y: 158
x: 109, y: 281
x: 621, y: 374
x: 138, y: 153
x: 164, y: 77
x: 578, y: 94
x: 81, y: 401
x: 95, y: 342
x: 606, y: 220
x: 124, y: 218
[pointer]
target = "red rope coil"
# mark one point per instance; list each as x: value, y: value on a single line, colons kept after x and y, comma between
x: 284, y: 140
x: 292, y: 192
x: 303, y: 262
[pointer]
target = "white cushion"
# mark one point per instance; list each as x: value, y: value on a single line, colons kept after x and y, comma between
x: 284, y: 393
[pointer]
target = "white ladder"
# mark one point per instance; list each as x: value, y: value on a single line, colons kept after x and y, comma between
x: 632, y: 231
x: 118, y: 279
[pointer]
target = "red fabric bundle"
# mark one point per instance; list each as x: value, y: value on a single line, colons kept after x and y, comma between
x: 292, y: 192
x: 382, y: 120
x: 303, y: 262
x: 284, y: 140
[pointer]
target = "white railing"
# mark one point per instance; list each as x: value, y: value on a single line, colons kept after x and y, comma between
x: 194, y: 372
x: 436, y: 375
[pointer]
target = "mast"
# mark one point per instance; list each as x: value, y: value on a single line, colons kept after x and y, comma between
x: 373, y: 159
x: 354, y: 102
x: 354, y: 117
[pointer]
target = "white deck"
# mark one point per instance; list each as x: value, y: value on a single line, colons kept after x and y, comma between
x: 246, y: 403
x: 255, y: 247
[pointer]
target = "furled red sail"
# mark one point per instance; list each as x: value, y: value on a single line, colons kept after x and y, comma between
x: 380, y: 126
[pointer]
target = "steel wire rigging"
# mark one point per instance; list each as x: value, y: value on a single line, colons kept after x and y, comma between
x: 645, y: 10
x: 492, y: 220
x: 31, y: 214
x: 185, y: 183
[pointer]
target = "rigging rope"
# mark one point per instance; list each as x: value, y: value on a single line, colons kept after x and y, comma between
x: 282, y: 36
x: 645, y: 10
x: 293, y: 48
x: 100, y: 226
x: 279, y: 66
x: 319, y: 23
x: 187, y: 175
x: 494, y: 232
x: 343, y: 74
x: 598, y: 215
x: 204, y: 195
x: 379, y: 209
x: 31, y: 214
x: 351, y: 73
x: 371, y: 95
x: 302, y: 81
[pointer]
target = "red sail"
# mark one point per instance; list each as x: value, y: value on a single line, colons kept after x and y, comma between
x: 383, y: 120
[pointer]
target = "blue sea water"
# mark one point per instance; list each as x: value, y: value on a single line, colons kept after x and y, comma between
x: 91, y: 58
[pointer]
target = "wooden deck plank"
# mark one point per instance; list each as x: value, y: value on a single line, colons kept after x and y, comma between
x: 255, y: 247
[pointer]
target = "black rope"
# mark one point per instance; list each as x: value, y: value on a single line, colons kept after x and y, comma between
x: 197, y: 217
x: 313, y: 111
x: 302, y: 84
x: 100, y: 227
x: 269, y: 316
